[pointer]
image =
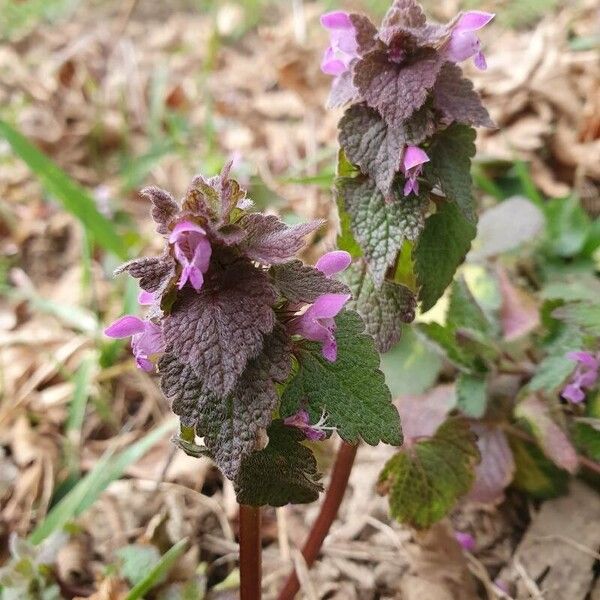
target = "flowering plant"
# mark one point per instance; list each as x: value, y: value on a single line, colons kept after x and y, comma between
x: 251, y: 345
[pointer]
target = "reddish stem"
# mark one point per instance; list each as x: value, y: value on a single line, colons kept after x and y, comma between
x: 250, y: 553
x: 329, y: 510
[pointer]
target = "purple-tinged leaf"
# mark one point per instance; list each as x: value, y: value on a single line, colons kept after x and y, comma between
x: 155, y: 273
x: 396, y: 90
x: 366, y: 33
x: 455, y: 98
x: 422, y: 415
x: 217, y: 330
x: 383, y: 310
x: 495, y: 471
x: 164, y: 208
x: 405, y: 13
x: 342, y: 91
x: 300, y: 283
x: 519, y: 312
x: 552, y: 439
x: 449, y: 166
x: 379, y: 227
x: 271, y: 241
x: 229, y: 235
x: 377, y: 148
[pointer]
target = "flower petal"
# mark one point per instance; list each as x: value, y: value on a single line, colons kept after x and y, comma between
x: 473, y: 20
x: 334, y: 262
x: 328, y: 305
x: 124, y: 327
x: 332, y: 66
x: 145, y: 298
x: 184, y: 227
x: 337, y: 19
x: 413, y: 157
x: 573, y: 393
x: 479, y: 61
x: 584, y: 358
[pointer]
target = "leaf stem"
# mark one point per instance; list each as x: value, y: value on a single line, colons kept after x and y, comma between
x: 327, y: 514
x: 250, y: 553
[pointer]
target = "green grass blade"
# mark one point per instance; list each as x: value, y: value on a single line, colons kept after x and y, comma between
x: 74, y: 198
x: 109, y: 468
x: 83, y: 380
x: 156, y: 575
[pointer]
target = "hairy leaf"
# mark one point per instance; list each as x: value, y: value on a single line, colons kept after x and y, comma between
x: 449, y: 166
x: 455, y: 98
x: 154, y: 273
x: 376, y: 148
x: 365, y: 32
x: 425, y: 481
x: 284, y: 472
x: 300, y: 283
x: 271, y: 241
x: 552, y: 438
x: 404, y: 13
x: 164, y: 208
x: 396, y: 90
x: 351, y: 390
x: 217, y: 330
x: 471, y: 395
x: 441, y: 248
x: 496, y: 469
x: 342, y: 91
x: 379, y: 227
x: 383, y: 310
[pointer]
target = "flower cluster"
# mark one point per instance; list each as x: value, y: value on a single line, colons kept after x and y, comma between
x: 584, y: 378
x: 228, y: 307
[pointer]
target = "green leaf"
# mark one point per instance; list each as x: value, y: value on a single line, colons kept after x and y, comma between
x: 410, y: 367
x: 284, y: 472
x: 581, y: 314
x: 441, y: 247
x: 74, y: 198
x: 109, y: 468
x: 425, y: 481
x: 449, y: 166
x: 443, y: 339
x: 379, y: 227
x: 464, y: 311
x: 534, y: 473
x: 471, y: 395
x: 351, y: 390
x: 137, y: 560
x: 567, y: 226
x: 587, y: 439
x: 157, y: 574
x: 384, y: 310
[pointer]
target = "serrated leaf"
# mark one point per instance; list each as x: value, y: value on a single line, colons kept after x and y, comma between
x: 404, y: 13
x: 496, y: 469
x: 455, y: 98
x: 300, y: 283
x: 217, y: 330
x: 471, y: 395
x: 365, y: 33
x: 164, y: 208
x: 342, y: 91
x: 284, y: 472
x: 351, y: 390
x: 425, y: 481
x: 271, y: 241
x: 553, y: 440
x: 441, y: 247
x: 396, y: 91
x: 449, y: 166
x: 384, y: 310
x: 581, y: 314
x: 379, y: 227
x: 154, y: 273
x: 377, y: 148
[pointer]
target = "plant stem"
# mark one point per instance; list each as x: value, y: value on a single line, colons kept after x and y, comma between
x: 250, y: 553
x: 329, y: 510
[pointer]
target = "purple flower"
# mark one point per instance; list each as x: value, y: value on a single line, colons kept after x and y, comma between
x: 145, y: 298
x: 317, y: 323
x: 334, y: 262
x: 343, y: 47
x: 463, y: 42
x: 301, y: 420
x: 585, y: 376
x: 466, y: 540
x: 193, y: 251
x: 146, y: 339
x: 412, y: 165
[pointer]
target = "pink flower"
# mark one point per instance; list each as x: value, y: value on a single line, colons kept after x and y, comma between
x: 317, y: 323
x: 412, y: 165
x: 333, y: 262
x: 585, y: 376
x: 145, y: 298
x: 146, y: 339
x: 343, y: 47
x: 301, y: 420
x: 463, y: 42
x: 192, y: 251
x: 466, y: 540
